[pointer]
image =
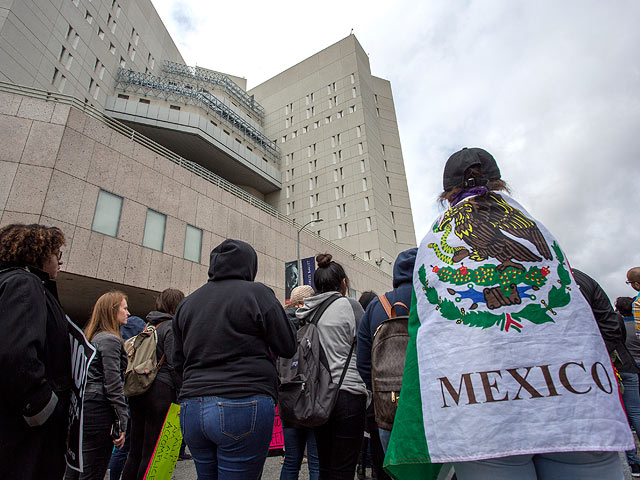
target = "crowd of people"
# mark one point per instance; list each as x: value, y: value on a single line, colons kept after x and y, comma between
x: 218, y: 349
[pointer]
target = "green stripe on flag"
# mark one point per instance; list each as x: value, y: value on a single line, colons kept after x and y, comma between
x: 408, y: 455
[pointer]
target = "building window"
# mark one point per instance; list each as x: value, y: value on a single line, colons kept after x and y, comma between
x: 311, y: 185
x: 368, y: 224
x: 122, y: 62
x: 174, y: 107
x: 154, y: 230
x: 358, y: 131
x: 144, y: 101
x: 337, y: 191
x: 364, y: 184
x: 192, y: 243
x: 339, y: 231
x: 353, y: 92
x: 88, y: 17
x: 106, y: 217
x: 305, y: 129
x: 375, y: 98
x: 344, y: 209
x: 390, y: 201
x: 334, y: 157
x: 311, y: 201
x: 393, y: 218
x: 367, y: 255
x: 352, y: 109
x: 100, y: 33
x: 335, y: 175
x: 366, y: 204
x: 353, y: 78
x: 362, y: 165
x: 385, y: 165
x: 395, y: 236
x: 360, y: 149
x: 388, y: 183
x: 316, y: 124
x: 337, y: 211
x: 327, y: 119
x: 112, y: 49
x: 378, y: 112
x: 123, y: 96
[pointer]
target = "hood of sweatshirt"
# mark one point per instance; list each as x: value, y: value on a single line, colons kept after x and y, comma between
x: 154, y: 318
x: 403, y: 268
x: 233, y: 259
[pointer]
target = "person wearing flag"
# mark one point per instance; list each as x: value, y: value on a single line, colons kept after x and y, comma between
x: 506, y: 373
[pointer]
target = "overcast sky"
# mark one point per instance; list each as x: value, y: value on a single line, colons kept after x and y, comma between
x: 550, y: 88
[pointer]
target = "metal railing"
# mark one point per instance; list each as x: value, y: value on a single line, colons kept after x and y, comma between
x: 193, y: 167
x: 165, y: 88
x: 216, y: 79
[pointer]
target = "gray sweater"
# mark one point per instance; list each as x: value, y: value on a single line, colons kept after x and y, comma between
x: 337, y: 328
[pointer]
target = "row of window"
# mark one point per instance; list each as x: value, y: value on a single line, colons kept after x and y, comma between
x: 305, y: 129
x: 66, y: 57
x: 106, y: 219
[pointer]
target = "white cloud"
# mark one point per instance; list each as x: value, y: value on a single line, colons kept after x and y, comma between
x: 551, y: 89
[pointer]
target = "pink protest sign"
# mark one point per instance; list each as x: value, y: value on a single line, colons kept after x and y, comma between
x: 277, y: 440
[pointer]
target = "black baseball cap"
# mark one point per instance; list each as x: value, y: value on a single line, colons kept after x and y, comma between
x: 460, y: 161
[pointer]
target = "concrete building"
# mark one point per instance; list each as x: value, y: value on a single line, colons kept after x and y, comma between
x: 147, y: 164
x: 335, y: 124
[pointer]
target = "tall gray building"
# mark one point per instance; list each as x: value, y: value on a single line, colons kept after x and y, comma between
x: 147, y: 163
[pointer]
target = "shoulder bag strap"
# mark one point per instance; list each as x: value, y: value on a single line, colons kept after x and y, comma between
x: 389, y: 310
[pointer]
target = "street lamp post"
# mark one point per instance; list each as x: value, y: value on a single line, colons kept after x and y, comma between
x: 298, y: 264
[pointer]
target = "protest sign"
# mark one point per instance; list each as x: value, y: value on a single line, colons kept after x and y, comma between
x: 82, y: 352
x: 167, y: 448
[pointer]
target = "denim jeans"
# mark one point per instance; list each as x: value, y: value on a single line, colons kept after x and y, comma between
x: 631, y: 400
x: 385, y: 436
x: 295, y: 439
x: 97, y: 443
x: 544, y: 466
x: 228, y: 437
x: 340, y: 438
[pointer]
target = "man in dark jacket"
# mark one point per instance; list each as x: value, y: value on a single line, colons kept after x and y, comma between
x: 613, y: 332
x: 373, y: 317
x: 224, y: 334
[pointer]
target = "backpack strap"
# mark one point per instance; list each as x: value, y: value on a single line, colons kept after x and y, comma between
x: 346, y: 365
x: 323, y: 307
x: 389, y: 309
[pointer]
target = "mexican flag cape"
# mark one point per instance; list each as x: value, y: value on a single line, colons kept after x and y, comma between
x: 505, y: 357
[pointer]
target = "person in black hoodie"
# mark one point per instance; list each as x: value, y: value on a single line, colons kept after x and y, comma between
x: 224, y: 334
x: 149, y: 409
x: 35, y: 357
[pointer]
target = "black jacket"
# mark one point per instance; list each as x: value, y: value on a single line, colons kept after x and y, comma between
x: 35, y: 356
x: 609, y: 322
x: 105, y: 376
x: 164, y: 328
x: 224, y: 331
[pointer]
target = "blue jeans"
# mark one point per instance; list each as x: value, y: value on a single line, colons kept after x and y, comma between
x: 295, y: 440
x: 228, y: 437
x: 631, y: 400
x: 385, y: 436
x: 544, y: 466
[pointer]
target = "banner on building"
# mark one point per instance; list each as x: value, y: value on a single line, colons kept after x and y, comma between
x: 308, y: 270
x: 82, y: 352
x: 291, y: 275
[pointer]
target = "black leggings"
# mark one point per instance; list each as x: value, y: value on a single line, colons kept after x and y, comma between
x: 148, y: 412
x: 340, y: 438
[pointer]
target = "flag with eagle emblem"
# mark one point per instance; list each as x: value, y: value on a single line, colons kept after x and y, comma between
x: 505, y: 357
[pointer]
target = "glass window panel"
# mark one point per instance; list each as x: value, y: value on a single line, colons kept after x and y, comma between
x: 107, y: 215
x: 154, y: 230
x: 193, y: 243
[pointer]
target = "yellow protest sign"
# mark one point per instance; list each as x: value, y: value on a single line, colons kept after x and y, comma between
x: 167, y: 448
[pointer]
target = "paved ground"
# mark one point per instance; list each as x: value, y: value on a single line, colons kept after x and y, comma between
x: 185, y: 470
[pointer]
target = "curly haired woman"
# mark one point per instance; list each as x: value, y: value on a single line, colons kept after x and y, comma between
x: 35, y: 357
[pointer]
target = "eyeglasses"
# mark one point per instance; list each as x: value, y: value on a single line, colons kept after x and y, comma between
x: 629, y: 282
x: 59, y: 255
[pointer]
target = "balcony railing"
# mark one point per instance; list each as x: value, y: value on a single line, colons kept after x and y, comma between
x: 216, y: 79
x: 164, y: 88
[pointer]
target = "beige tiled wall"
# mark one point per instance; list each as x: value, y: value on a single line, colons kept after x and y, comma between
x: 54, y: 161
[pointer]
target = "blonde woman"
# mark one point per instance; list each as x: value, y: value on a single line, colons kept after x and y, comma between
x: 104, y: 404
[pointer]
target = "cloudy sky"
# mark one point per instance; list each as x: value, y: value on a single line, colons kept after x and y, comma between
x: 551, y: 89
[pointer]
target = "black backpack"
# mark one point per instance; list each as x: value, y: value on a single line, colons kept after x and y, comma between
x: 388, y: 352
x: 307, y: 395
